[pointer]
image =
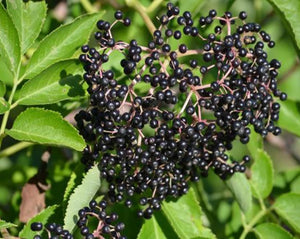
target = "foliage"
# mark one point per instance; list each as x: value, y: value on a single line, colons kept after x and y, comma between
x: 41, y: 89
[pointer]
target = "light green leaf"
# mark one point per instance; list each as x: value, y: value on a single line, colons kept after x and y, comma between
x: 61, y: 44
x: 45, y: 127
x: 42, y: 217
x: 262, y: 174
x: 2, y: 89
x: 288, y: 207
x: 28, y: 18
x: 4, y: 105
x: 81, y: 197
x: 151, y: 229
x: 184, y: 216
x: 291, y: 12
x: 10, y: 51
x: 271, y: 231
x: 289, y: 116
x: 240, y: 188
x: 4, y: 224
x: 60, y: 81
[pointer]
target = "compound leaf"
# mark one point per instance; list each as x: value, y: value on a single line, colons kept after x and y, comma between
x: 288, y: 207
x: 61, y: 81
x: 61, y: 44
x: 4, y: 105
x: 28, y: 18
x: 186, y: 209
x: 10, y: 51
x: 271, y: 231
x: 289, y: 116
x: 81, y: 197
x: 45, y: 127
x: 4, y: 224
x: 151, y: 229
x: 42, y: 217
x: 262, y: 174
x: 241, y: 190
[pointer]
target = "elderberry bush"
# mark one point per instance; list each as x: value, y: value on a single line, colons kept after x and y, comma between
x: 227, y: 84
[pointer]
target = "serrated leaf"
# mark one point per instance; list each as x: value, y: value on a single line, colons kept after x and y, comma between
x: 291, y: 12
x: 75, y: 179
x: 81, y: 197
x: 151, y: 229
x: 262, y: 175
x: 4, y: 105
x: 4, y: 224
x: 42, y: 217
x: 28, y: 18
x: 45, y: 127
x: 288, y: 207
x: 240, y: 188
x: 61, y: 44
x: 184, y: 216
x: 271, y: 231
x: 10, y: 51
x: 2, y: 89
x: 289, y: 116
x: 60, y: 81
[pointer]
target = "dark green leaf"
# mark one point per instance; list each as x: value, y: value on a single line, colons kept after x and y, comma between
x: 291, y: 12
x: 59, y: 82
x: 45, y: 127
x: 240, y: 188
x: 289, y: 116
x: 10, y: 51
x: 288, y: 207
x: 2, y: 89
x: 4, y: 224
x: 28, y: 18
x: 271, y: 231
x: 61, y: 44
x: 81, y: 197
x: 42, y: 217
x: 4, y: 105
x: 262, y: 174
x: 151, y: 229
x: 187, y: 224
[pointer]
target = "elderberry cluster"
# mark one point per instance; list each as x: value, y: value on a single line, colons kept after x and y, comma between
x: 177, y: 108
x: 107, y: 227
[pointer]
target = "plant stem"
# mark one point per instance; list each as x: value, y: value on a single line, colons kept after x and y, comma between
x: 248, y: 227
x: 14, y: 148
x: 88, y: 6
x: 154, y: 5
x: 143, y: 12
x: 5, y: 117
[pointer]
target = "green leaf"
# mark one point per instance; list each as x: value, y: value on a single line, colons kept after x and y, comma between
x: 184, y: 216
x: 289, y: 116
x: 60, y: 81
x: 4, y: 105
x: 45, y: 127
x: 271, y: 231
x: 291, y: 12
x: 151, y: 229
x: 61, y: 44
x: 10, y: 51
x: 28, y: 18
x: 4, y: 224
x: 262, y: 174
x: 240, y: 188
x: 2, y: 89
x: 81, y: 197
x: 288, y: 207
x: 42, y: 217
x: 255, y: 142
